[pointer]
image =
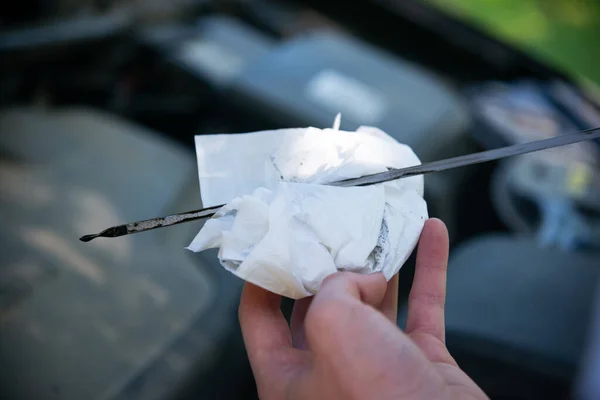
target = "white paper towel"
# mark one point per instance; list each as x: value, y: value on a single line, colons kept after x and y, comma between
x: 283, y: 229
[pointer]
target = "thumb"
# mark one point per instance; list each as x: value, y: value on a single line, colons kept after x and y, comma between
x: 340, y: 307
x: 356, y: 343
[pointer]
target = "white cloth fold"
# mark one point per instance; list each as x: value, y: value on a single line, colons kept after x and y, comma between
x: 283, y: 229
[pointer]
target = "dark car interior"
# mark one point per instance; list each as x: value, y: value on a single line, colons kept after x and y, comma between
x: 100, y: 102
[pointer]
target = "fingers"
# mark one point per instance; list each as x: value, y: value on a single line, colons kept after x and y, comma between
x: 389, y: 305
x: 297, y: 323
x: 266, y: 335
x: 263, y: 326
x: 428, y: 293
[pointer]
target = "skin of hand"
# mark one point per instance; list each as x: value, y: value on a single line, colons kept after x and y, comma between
x: 343, y: 342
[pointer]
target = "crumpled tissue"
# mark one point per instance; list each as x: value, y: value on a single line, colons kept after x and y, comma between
x: 284, y: 229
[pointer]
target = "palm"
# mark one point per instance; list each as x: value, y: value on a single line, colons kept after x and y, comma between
x: 458, y: 384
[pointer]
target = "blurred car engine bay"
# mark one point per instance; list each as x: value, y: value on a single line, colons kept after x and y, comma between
x: 101, y: 101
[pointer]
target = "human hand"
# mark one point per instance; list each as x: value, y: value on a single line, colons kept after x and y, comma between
x: 344, y: 342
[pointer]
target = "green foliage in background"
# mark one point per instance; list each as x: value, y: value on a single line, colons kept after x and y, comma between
x: 565, y: 33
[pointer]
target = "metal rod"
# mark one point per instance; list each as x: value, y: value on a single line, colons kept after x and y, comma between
x: 154, y: 223
x: 474, y: 158
x: 393, y: 174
